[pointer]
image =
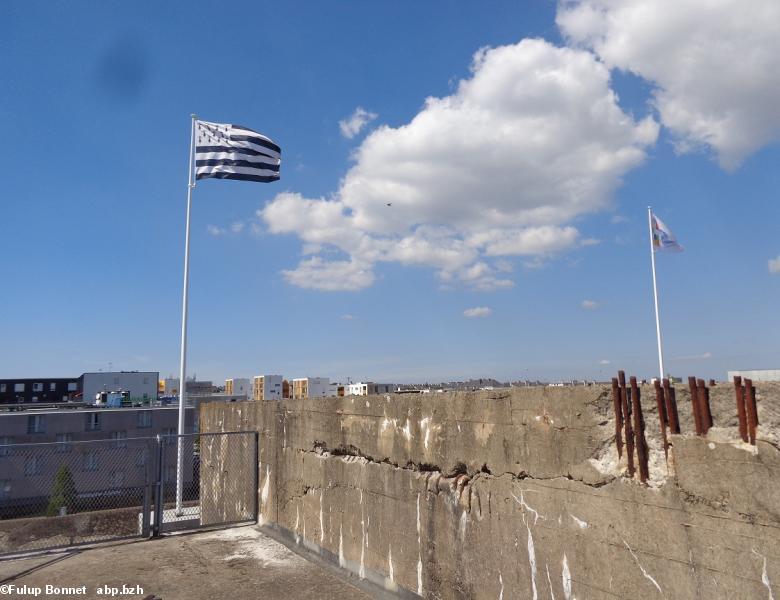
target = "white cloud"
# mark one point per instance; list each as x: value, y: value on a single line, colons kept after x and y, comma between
x: 356, y: 122
x: 715, y: 64
x: 347, y: 317
x: 703, y: 356
x: 774, y: 265
x: 237, y: 227
x: 214, y: 230
x: 604, y: 361
x: 330, y: 276
x: 618, y: 219
x: 477, y: 312
x: 589, y: 304
x: 533, y: 139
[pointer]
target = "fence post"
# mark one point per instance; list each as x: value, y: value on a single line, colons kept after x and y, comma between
x: 256, y: 488
x: 160, y: 489
x: 147, y: 502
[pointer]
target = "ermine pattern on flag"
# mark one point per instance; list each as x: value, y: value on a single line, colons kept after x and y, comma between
x: 226, y: 151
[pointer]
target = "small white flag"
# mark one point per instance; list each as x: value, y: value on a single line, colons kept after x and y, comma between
x: 663, y: 238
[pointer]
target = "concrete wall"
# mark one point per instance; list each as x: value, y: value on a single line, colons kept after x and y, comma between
x: 518, y: 494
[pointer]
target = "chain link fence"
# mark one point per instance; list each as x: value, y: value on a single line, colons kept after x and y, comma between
x: 62, y: 494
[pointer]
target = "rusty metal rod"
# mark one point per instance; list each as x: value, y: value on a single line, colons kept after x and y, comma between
x: 659, y: 400
x: 629, y: 432
x: 671, y: 407
x: 751, y: 409
x: 704, y: 407
x: 741, y: 412
x: 695, y: 405
x: 618, y: 416
x: 639, y: 432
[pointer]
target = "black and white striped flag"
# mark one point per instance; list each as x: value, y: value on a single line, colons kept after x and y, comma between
x: 227, y: 151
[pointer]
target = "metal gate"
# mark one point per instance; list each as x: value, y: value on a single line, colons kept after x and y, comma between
x: 70, y: 493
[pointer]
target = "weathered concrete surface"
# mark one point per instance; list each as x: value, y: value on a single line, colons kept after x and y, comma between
x: 518, y: 494
x: 238, y: 563
x: 35, y: 533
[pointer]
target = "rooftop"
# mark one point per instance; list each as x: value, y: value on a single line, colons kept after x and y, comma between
x: 240, y: 562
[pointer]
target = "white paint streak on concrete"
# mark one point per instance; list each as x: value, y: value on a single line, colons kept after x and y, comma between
x: 645, y: 573
x: 580, y: 523
x: 532, y: 562
x: 501, y: 581
x: 464, y: 519
x: 342, y: 561
x: 425, y: 428
x: 566, y: 578
x: 407, y: 430
x: 362, y: 571
x: 765, y: 576
x: 368, y: 404
x: 322, y: 521
x: 264, y: 494
x: 549, y: 581
x: 521, y: 501
x: 391, y: 573
x: 297, y: 521
x: 419, y: 549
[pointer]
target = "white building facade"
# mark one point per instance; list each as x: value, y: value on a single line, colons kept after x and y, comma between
x: 238, y: 386
x: 267, y: 387
x: 140, y: 385
x: 367, y: 388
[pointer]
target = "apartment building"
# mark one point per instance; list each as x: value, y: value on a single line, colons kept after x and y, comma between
x: 140, y: 385
x: 238, y: 386
x: 41, y: 390
x: 170, y: 387
x: 310, y: 387
x: 367, y: 388
x: 104, y: 449
x: 268, y: 387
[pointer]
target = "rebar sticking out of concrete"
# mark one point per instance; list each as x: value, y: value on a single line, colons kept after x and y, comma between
x: 751, y: 409
x: 695, y: 405
x: 639, y: 432
x: 659, y: 400
x: 618, y: 416
x: 670, y: 397
x: 629, y: 432
x: 704, y: 407
x: 739, y: 392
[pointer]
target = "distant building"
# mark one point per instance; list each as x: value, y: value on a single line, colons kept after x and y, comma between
x: 268, y: 387
x: 756, y: 374
x: 367, y: 388
x: 42, y: 390
x: 140, y: 385
x: 171, y: 387
x: 310, y: 387
x: 238, y: 386
x: 118, y: 463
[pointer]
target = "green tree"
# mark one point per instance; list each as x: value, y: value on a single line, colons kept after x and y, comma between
x: 63, y: 492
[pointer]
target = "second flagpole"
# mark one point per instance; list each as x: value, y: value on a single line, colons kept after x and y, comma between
x: 183, y: 355
x: 655, y: 294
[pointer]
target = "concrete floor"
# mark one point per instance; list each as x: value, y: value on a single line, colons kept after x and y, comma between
x: 239, y: 563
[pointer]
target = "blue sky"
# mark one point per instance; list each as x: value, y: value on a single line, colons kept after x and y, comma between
x: 95, y: 107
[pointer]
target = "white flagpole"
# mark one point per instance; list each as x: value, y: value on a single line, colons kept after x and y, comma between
x: 655, y: 294
x: 183, y: 357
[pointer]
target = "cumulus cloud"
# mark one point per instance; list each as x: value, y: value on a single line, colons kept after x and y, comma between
x: 237, y: 227
x: 714, y: 65
x: 477, y: 312
x: 215, y: 230
x: 330, y: 276
x: 589, y: 304
x: 353, y: 125
x: 531, y: 140
x: 774, y: 265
